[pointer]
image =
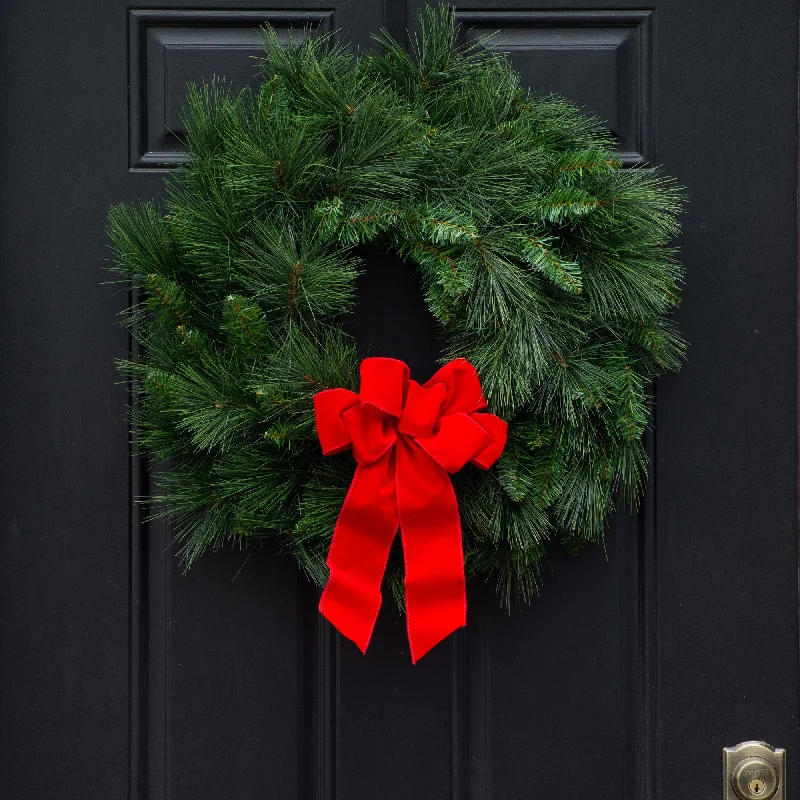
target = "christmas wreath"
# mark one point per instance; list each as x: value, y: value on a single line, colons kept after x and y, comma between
x: 546, y: 264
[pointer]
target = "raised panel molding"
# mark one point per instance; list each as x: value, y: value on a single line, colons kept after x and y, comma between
x: 170, y: 48
x: 601, y: 60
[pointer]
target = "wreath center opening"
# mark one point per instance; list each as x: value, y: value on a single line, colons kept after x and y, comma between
x: 391, y: 317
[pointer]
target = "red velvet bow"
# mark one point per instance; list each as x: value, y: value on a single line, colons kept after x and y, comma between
x: 405, y: 439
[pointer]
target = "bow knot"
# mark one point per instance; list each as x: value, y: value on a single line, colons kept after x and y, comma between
x: 405, y: 438
x: 440, y: 416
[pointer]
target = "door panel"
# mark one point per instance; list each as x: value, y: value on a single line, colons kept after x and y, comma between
x: 601, y: 60
x: 122, y: 677
x: 171, y: 48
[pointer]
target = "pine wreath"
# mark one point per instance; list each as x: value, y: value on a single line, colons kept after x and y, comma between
x: 546, y: 264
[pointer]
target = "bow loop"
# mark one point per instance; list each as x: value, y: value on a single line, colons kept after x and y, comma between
x: 497, y: 429
x: 422, y: 409
x: 456, y: 441
x: 462, y: 385
x: 329, y: 406
x: 383, y: 384
x: 371, y: 432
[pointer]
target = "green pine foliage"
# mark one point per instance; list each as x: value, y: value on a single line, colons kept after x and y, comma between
x: 547, y: 264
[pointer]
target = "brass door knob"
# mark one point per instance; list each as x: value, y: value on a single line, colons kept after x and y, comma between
x: 754, y: 779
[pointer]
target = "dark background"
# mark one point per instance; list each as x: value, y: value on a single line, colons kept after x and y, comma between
x: 120, y: 677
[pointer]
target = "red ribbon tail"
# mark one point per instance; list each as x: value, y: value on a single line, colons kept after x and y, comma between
x: 436, y: 599
x: 357, y: 558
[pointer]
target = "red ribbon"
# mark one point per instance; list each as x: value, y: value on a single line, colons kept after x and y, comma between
x: 406, y: 438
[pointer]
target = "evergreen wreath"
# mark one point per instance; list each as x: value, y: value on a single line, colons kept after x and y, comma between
x: 546, y: 264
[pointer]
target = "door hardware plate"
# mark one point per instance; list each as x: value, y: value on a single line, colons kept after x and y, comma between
x: 754, y: 771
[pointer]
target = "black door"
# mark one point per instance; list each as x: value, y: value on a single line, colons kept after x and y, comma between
x: 120, y: 677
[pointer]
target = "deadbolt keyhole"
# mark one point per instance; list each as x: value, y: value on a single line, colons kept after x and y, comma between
x: 756, y: 786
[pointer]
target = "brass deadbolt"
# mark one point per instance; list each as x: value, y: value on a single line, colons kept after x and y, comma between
x: 754, y: 771
x: 754, y: 779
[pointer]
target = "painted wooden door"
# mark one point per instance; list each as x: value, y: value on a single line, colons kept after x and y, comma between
x: 121, y: 677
